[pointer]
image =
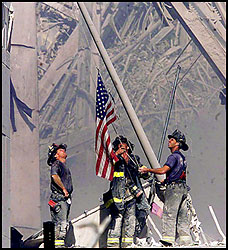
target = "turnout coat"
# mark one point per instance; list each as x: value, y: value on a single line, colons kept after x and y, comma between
x: 126, y: 177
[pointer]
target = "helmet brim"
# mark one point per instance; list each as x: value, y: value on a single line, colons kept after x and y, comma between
x: 49, y: 160
x: 184, y: 146
x: 170, y: 136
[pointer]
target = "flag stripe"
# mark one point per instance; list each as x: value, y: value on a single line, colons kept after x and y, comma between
x: 101, y: 149
x: 110, y: 113
x: 108, y: 123
x: 107, y: 169
x: 111, y: 121
x: 97, y: 131
x: 104, y: 134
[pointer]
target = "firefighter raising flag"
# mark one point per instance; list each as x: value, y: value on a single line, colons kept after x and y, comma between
x: 105, y: 115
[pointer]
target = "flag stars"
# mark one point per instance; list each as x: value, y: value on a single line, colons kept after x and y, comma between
x: 101, y: 99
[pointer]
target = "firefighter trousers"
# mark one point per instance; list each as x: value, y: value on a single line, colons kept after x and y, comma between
x: 175, y: 223
x: 122, y: 228
x: 60, y: 219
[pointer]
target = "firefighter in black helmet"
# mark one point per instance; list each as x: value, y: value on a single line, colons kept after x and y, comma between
x: 125, y: 195
x: 61, y: 190
x: 175, y: 224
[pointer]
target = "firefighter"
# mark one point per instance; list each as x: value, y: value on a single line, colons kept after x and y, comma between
x: 175, y: 223
x: 61, y: 190
x: 125, y: 195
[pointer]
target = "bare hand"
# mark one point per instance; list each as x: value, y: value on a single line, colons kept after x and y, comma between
x: 66, y: 194
x: 120, y: 151
x: 125, y: 156
x: 144, y: 170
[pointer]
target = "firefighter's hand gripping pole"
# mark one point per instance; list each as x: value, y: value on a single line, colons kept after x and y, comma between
x: 121, y: 92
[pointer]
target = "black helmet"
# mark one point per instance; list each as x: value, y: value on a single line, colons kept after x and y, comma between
x: 122, y: 139
x: 52, y: 152
x: 179, y: 137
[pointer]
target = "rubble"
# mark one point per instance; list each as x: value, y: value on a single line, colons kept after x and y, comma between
x: 142, y: 45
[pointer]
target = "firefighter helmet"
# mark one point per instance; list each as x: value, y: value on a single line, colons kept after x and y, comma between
x: 52, y: 150
x: 122, y: 139
x: 179, y: 137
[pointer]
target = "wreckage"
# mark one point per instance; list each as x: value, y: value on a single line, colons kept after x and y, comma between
x: 89, y: 229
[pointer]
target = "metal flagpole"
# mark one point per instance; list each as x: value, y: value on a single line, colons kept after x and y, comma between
x: 168, y: 113
x: 121, y: 91
x: 151, y: 194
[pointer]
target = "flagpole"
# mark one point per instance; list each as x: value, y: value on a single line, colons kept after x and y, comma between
x: 122, y: 93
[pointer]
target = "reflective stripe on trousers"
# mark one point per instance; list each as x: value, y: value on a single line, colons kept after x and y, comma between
x: 123, y: 225
x: 127, y: 241
x: 113, y: 240
x: 170, y: 239
x: 59, y: 242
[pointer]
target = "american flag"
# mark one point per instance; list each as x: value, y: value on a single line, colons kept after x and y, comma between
x: 105, y: 115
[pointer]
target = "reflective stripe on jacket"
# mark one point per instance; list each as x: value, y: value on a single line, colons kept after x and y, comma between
x: 116, y: 196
